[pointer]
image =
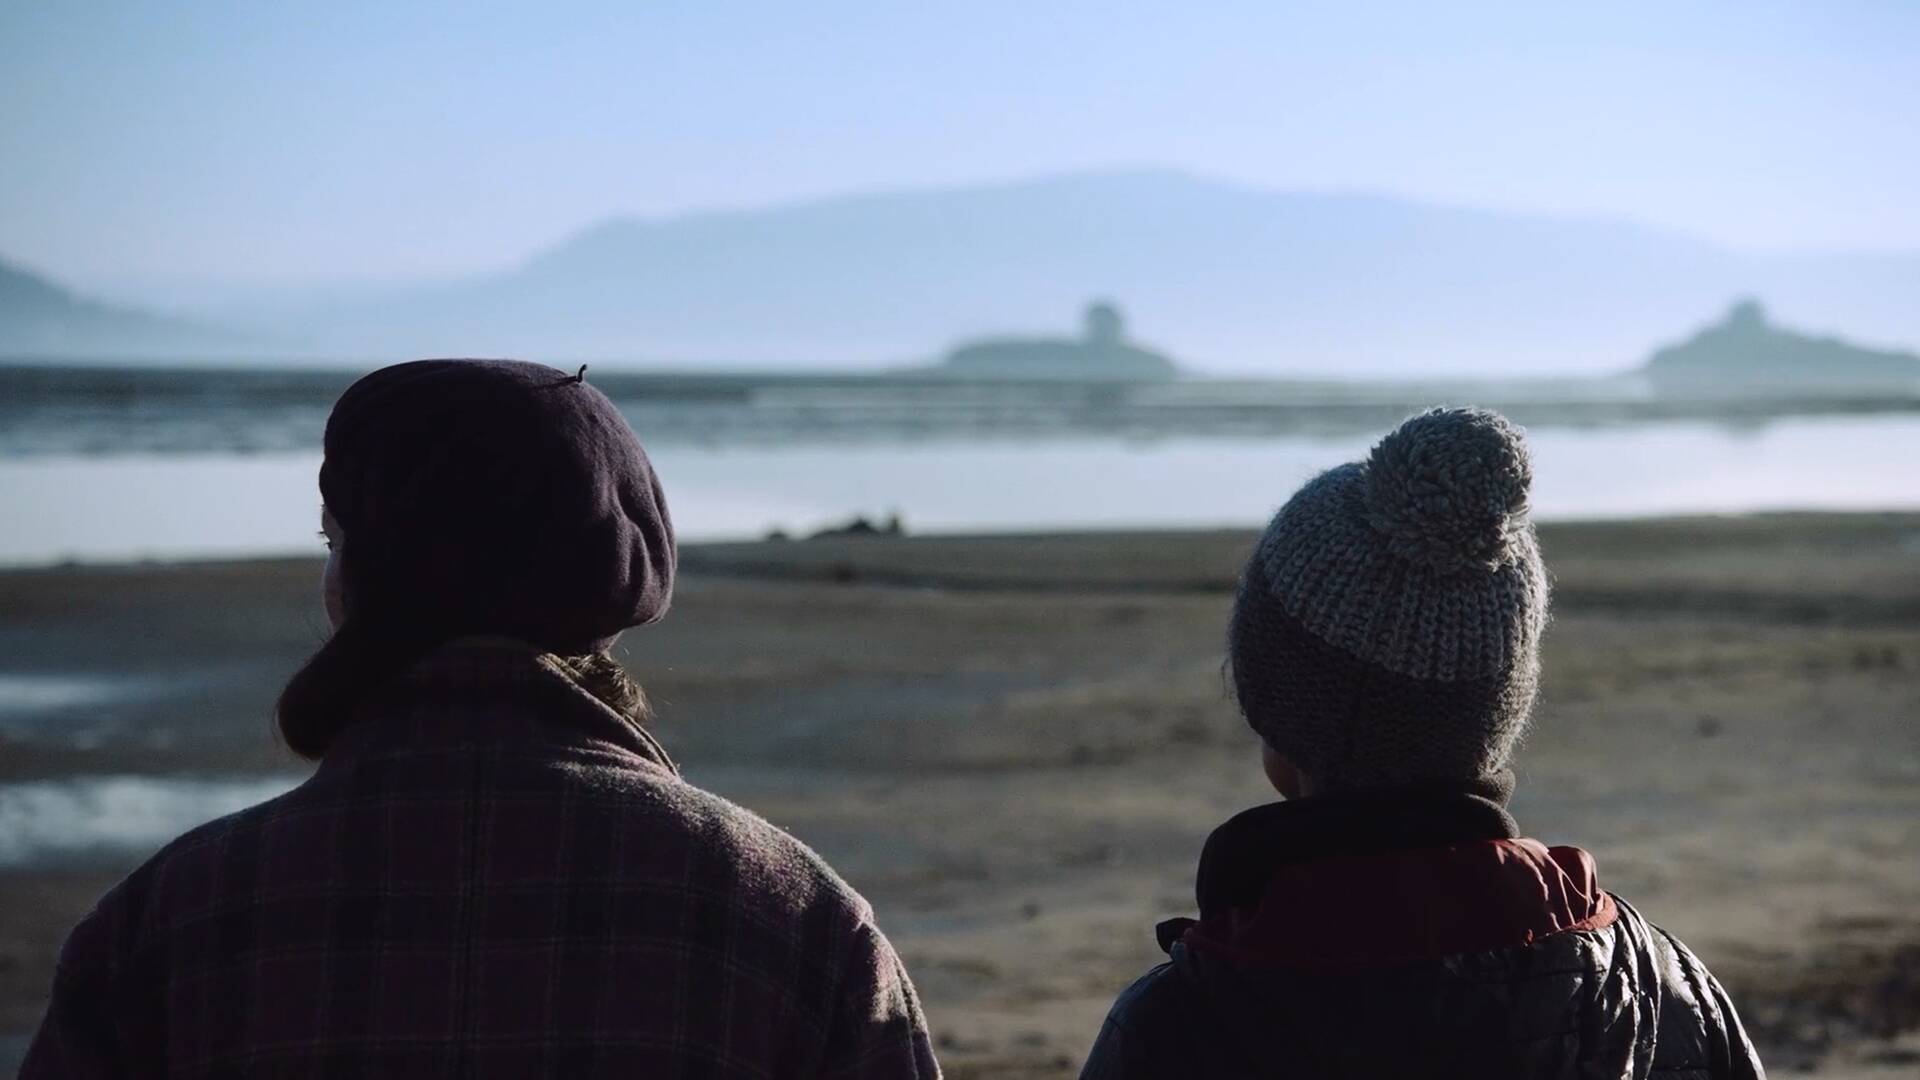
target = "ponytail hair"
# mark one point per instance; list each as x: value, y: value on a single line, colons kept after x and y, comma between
x: 318, y: 702
x: 599, y: 674
x: 385, y: 631
x: 372, y: 645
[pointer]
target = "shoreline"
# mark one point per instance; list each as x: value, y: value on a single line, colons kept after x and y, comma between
x: 727, y: 555
x: 1014, y: 745
x: 222, y: 506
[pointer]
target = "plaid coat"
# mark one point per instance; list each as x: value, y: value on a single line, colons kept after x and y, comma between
x: 494, y: 875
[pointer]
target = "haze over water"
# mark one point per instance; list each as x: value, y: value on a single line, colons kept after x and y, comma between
x: 218, y: 503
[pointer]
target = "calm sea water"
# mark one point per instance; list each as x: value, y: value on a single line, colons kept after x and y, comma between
x: 193, y: 505
x: 74, y: 503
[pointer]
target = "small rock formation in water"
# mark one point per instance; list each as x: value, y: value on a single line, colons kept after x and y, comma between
x: 1745, y: 349
x: 892, y: 525
x: 1101, y: 352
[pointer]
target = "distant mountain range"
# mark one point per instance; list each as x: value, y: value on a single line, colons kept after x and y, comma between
x: 42, y: 320
x: 1228, y: 278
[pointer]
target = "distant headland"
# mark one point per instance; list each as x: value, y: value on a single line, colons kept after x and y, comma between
x: 1744, y: 348
x: 1101, y: 352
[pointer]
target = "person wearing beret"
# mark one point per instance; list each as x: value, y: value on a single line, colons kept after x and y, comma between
x: 495, y: 869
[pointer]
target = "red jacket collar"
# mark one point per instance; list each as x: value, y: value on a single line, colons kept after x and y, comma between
x: 1377, y: 878
x: 1379, y: 910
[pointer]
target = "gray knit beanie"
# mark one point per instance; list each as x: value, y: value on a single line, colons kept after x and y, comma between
x: 1387, y: 628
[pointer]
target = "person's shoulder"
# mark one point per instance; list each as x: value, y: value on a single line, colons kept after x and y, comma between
x: 201, y: 850
x: 1143, y: 1034
x: 1696, y: 1024
x: 1659, y: 954
x: 175, y: 877
x: 1146, y: 997
x: 758, y: 859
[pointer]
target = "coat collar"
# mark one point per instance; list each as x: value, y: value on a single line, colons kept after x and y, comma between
x: 1374, y: 878
x: 490, y: 690
x: 1241, y: 855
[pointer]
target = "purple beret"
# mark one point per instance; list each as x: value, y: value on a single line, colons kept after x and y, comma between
x: 496, y: 497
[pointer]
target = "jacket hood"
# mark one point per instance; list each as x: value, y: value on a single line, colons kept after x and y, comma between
x: 1374, y: 879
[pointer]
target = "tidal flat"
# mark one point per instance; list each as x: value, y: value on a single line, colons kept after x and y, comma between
x: 1015, y: 746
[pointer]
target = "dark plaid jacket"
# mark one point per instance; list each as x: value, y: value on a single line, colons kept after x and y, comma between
x: 493, y: 875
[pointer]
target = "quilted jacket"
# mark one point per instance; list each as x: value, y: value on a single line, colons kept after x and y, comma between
x: 1414, y: 934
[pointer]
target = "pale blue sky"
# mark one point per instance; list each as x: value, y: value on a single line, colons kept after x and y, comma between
x: 339, y: 140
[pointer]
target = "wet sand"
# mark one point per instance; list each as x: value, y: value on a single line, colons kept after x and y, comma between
x: 1016, y: 745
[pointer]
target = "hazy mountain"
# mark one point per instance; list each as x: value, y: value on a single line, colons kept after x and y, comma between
x: 1744, y: 348
x: 1224, y: 277
x: 42, y: 320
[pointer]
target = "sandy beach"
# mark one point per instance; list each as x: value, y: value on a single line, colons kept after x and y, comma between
x: 1014, y: 746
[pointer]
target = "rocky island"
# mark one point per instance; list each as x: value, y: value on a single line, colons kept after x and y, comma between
x: 1744, y: 349
x: 1101, y: 352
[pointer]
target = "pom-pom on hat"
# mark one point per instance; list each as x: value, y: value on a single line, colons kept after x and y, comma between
x: 1387, y: 626
x: 1448, y: 488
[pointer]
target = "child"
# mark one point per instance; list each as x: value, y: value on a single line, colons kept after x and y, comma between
x: 1388, y: 920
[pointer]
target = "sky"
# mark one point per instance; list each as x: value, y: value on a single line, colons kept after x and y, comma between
x: 147, y: 143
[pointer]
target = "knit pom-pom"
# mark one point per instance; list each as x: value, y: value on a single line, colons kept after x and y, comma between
x: 1448, y: 489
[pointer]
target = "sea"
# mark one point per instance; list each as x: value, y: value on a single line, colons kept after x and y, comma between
x: 114, y: 465
x: 103, y: 465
